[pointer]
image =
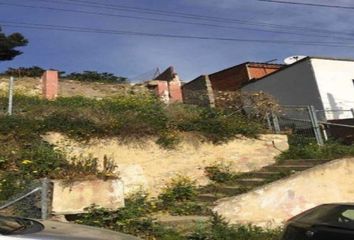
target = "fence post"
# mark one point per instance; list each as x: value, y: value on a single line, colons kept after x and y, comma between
x: 269, y: 123
x: 276, y: 123
x: 315, y: 125
x: 11, y: 88
x: 44, y: 198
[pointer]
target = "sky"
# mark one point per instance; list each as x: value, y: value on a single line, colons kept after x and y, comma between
x: 130, y: 56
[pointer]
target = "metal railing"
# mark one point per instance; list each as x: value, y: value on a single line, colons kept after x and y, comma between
x: 306, y: 122
x: 33, y: 202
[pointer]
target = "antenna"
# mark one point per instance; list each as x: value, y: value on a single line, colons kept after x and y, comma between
x: 293, y: 59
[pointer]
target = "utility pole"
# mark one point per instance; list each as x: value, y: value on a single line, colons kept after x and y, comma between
x: 11, y: 89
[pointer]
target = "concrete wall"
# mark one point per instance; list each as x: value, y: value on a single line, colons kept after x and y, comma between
x: 199, y: 92
x: 336, y: 85
x: 294, y: 85
x: 145, y: 165
x: 275, y: 203
x: 72, y: 198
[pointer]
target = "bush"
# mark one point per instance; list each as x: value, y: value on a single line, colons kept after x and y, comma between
x: 220, y: 173
x: 93, y: 76
x: 179, y: 198
x: 221, y: 230
x: 331, y: 150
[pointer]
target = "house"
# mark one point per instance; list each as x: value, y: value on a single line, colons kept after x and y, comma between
x: 201, y: 91
x: 167, y: 86
x: 325, y: 83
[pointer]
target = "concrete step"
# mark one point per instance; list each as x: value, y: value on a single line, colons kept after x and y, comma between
x: 262, y: 174
x: 284, y: 168
x: 209, y: 197
x: 302, y: 162
x: 249, y: 182
x: 232, y: 190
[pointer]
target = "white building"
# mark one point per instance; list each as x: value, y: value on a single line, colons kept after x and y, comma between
x: 325, y: 83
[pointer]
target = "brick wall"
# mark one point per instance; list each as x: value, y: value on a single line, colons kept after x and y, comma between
x: 260, y: 70
x: 230, y: 79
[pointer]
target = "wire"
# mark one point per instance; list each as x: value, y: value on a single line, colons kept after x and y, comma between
x: 184, y: 15
x: 172, y: 21
x: 134, y: 33
x: 308, y: 4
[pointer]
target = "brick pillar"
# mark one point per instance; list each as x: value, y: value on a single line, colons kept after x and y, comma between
x: 162, y: 91
x: 50, y: 84
x: 175, y: 90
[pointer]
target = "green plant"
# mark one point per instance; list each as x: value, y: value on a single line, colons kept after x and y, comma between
x: 179, y: 198
x: 220, y: 230
x: 331, y: 150
x: 220, y: 173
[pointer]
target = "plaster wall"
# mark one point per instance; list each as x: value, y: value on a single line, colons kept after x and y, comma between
x: 273, y: 204
x: 294, y: 85
x: 335, y: 80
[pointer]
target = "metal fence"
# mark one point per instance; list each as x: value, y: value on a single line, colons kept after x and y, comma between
x: 305, y: 123
x: 33, y: 202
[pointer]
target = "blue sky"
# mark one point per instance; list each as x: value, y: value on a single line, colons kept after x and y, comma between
x: 133, y: 55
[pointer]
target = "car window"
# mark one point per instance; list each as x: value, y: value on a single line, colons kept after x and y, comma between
x: 349, y: 214
x: 333, y: 215
x: 15, y: 225
x: 8, y: 225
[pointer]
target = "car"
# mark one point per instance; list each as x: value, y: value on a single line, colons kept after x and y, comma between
x: 324, y: 222
x: 24, y: 228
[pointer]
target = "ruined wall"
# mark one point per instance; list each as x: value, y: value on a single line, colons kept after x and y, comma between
x: 145, y: 165
x: 199, y: 92
x: 273, y: 204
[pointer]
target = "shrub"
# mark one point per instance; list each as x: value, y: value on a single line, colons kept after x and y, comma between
x: 220, y: 173
x: 221, y: 230
x: 331, y: 150
x: 179, y: 198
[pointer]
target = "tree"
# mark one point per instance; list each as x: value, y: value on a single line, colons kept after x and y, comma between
x: 8, y: 45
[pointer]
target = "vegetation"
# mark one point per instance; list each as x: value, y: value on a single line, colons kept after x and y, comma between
x: 34, y: 71
x: 93, y: 76
x: 309, y: 149
x: 24, y: 156
x: 136, y: 218
x: 180, y: 198
x: 220, y: 173
x: 9, y: 45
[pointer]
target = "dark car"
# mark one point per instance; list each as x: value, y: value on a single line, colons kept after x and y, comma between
x: 23, y: 228
x: 324, y: 222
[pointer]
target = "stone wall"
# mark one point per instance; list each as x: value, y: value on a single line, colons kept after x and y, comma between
x: 272, y: 205
x: 199, y: 92
x: 144, y: 165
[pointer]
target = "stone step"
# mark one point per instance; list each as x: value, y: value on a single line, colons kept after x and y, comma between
x: 232, y: 190
x: 209, y: 197
x: 263, y: 174
x: 285, y: 168
x: 302, y: 162
x: 250, y: 181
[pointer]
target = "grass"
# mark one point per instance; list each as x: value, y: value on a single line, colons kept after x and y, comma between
x: 136, y: 218
x: 309, y: 149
